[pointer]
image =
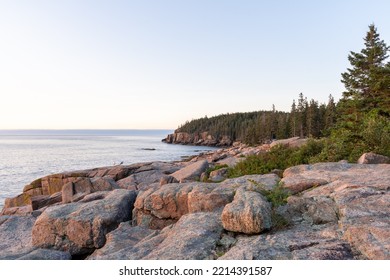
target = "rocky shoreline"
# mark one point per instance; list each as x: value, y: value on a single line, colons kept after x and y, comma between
x: 198, y: 139
x: 181, y: 210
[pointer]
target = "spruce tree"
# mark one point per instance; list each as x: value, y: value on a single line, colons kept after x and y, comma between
x: 366, y: 81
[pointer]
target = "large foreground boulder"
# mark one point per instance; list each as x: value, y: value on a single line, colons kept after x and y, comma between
x: 249, y: 213
x: 161, y: 206
x: 81, y: 227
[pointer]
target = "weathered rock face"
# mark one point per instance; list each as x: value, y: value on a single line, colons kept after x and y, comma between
x: 372, y: 158
x: 36, y: 254
x: 82, y: 186
x: 293, y: 142
x: 249, y: 213
x: 194, y: 237
x: 301, y: 242
x: 148, y: 175
x: 80, y: 227
x: 203, y: 139
x: 73, y: 186
x: 161, y: 206
x: 218, y: 175
x: 191, y: 172
x: 122, y: 240
x: 41, y: 201
x: 356, y: 196
x: 167, y: 179
x: 15, y: 233
x: 15, y: 241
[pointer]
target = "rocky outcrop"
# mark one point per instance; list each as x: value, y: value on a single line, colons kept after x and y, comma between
x: 15, y: 241
x: 161, y: 206
x: 191, y: 172
x: 372, y: 158
x: 301, y: 242
x: 249, y: 213
x: 334, y: 211
x: 80, y: 228
x: 15, y: 233
x: 194, y: 237
x: 218, y: 175
x: 294, y: 142
x: 199, y: 139
x: 72, y: 186
x: 356, y: 197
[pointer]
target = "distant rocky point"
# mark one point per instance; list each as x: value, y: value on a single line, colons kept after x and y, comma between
x: 199, y: 139
x: 163, y: 210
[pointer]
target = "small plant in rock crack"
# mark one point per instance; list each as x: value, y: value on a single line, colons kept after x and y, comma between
x: 277, y: 196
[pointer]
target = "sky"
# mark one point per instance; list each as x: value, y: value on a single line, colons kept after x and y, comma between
x: 153, y: 64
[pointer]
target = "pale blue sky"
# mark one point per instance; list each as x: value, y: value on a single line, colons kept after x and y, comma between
x: 155, y: 64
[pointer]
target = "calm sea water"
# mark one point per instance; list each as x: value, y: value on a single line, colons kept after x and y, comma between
x: 28, y: 155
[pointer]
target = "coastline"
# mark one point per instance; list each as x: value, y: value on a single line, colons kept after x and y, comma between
x: 170, y: 210
x: 29, y: 155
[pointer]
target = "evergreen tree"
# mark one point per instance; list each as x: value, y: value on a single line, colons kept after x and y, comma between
x: 330, y: 114
x: 294, y: 117
x: 302, y: 111
x: 366, y: 82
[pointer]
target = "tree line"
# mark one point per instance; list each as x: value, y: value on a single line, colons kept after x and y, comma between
x: 306, y: 119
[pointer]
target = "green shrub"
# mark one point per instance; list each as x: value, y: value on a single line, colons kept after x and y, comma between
x: 211, y: 169
x: 277, y: 196
x: 279, y: 157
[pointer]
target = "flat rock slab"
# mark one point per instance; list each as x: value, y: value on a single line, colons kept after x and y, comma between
x: 36, y: 254
x: 357, y: 196
x: 15, y: 234
x: 121, y: 240
x: 192, y: 171
x: 80, y: 228
x: 193, y: 237
x: 297, y: 243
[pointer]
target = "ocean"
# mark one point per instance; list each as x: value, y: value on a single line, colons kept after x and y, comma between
x: 26, y: 155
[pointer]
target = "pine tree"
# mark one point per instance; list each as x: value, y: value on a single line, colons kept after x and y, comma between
x: 293, y: 119
x: 366, y: 81
x: 330, y: 114
x: 302, y: 112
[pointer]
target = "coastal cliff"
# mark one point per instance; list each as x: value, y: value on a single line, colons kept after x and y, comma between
x: 198, y: 139
x: 184, y: 210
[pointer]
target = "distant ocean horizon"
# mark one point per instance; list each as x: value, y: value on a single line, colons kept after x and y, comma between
x: 26, y: 155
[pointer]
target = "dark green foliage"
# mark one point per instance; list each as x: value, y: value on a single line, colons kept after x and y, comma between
x: 305, y: 120
x: 279, y: 157
x: 351, y: 140
x: 367, y: 81
x: 211, y: 169
x: 277, y: 197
